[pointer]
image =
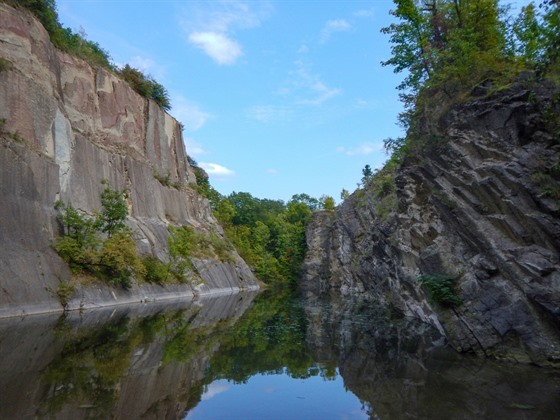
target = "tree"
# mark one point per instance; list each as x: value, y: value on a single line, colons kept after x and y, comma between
x: 327, y: 202
x: 367, y: 174
x: 306, y: 199
x: 437, y: 42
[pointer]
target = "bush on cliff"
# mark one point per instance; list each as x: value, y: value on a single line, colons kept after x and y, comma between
x: 83, y: 247
x: 77, y: 44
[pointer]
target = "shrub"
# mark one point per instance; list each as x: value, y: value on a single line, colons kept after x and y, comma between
x: 155, y: 270
x: 115, y: 258
x: 119, y: 260
x: 64, y: 292
x: 4, y: 64
x: 441, y: 289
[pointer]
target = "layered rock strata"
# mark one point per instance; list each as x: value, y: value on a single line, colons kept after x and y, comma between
x: 479, y: 203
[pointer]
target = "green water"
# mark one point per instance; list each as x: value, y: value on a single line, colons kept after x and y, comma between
x: 266, y: 357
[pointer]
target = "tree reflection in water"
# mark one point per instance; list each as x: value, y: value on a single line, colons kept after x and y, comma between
x: 157, y: 362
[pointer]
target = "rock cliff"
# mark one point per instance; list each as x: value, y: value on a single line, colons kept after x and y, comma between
x: 479, y: 203
x: 67, y: 126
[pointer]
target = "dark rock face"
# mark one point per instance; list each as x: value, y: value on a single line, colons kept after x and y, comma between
x: 480, y: 203
x: 67, y: 126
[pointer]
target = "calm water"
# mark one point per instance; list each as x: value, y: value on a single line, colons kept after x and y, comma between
x: 247, y: 357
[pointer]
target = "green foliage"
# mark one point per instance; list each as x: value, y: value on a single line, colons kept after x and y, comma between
x: 77, y: 44
x: 327, y: 202
x: 441, y: 289
x: 119, y: 260
x: 437, y: 41
x: 64, y: 291
x: 268, y: 234
x: 14, y: 135
x: 114, y: 211
x: 185, y: 243
x: 367, y: 174
x: 4, y: 64
x: 155, y: 270
x: 146, y: 86
x: 83, y: 247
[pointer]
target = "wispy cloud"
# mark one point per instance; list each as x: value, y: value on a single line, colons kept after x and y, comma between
x: 308, y: 88
x: 332, y: 26
x: 271, y: 171
x: 214, y: 389
x: 210, y: 25
x: 269, y: 113
x: 366, y: 148
x: 194, y: 149
x: 365, y: 13
x: 216, y: 169
x: 192, y: 117
x: 219, y: 47
x: 144, y: 64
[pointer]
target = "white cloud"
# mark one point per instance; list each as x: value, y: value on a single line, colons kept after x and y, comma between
x: 193, y: 147
x: 210, y: 26
x: 219, y: 47
x: 216, y: 169
x: 365, y: 13
x: 271, y: 171
x: 269, y: 113
x: 143, y: 64
x: 366, y: 148
x: 332, y: 26
x: 189, y: 114
x: 309, y: 88
x: 214, y: 389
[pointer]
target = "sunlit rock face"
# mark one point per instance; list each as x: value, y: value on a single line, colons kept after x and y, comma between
x: 67, y: 127
x: 479, y: 203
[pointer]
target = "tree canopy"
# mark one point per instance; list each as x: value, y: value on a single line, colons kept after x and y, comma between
x: 451, y: 45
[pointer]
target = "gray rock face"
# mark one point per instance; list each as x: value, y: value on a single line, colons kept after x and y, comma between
x: 67, y: 127
x: 480, y: 204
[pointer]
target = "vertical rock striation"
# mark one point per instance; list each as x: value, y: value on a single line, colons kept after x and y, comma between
x: 480, y: 203
x: 67, y: 126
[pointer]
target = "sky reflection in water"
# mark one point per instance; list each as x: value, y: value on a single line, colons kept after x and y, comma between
x: 278, y: 396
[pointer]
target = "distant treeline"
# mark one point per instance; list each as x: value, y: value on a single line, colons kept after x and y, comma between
x: 76, y: 43
x: 268, y: 234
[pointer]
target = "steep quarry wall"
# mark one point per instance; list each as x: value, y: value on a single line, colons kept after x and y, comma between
x: 67, y: 127
x: 479, y: 203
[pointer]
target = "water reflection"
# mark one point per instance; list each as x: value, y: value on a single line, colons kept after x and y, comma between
x: 289, y: 359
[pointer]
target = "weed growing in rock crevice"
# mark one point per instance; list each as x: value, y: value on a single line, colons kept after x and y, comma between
x: 441, y: 289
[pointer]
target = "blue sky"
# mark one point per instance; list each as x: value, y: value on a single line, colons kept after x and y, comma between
x: 277, y: 97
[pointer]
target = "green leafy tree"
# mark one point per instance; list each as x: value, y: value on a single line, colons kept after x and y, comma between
x: 327, y: 202
x: 367, y: 174
x: 114, y: 212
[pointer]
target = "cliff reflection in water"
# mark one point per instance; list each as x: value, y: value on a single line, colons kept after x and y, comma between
x: 150, y: 362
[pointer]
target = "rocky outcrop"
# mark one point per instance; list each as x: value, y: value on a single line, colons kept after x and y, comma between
x: 479, y: 203
x: 67, y: 126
